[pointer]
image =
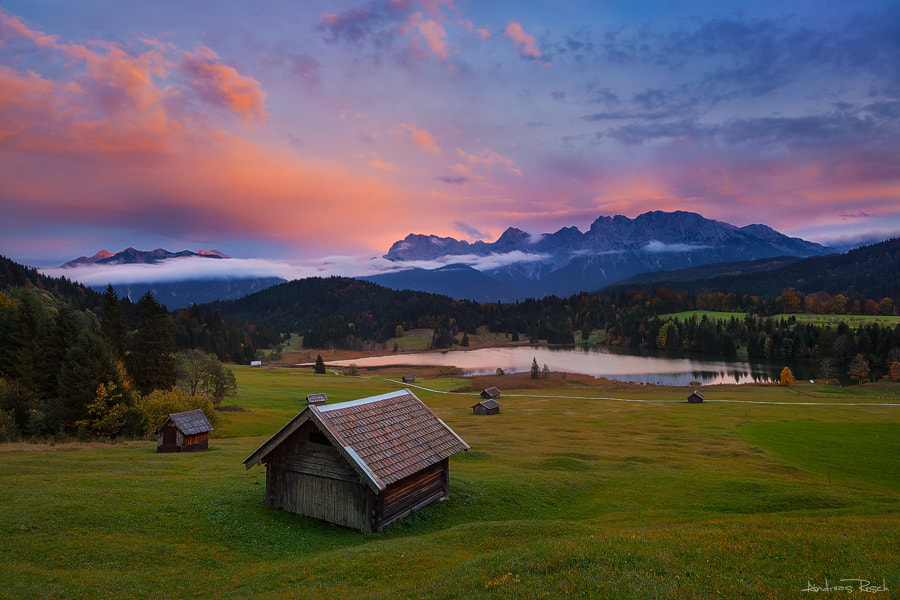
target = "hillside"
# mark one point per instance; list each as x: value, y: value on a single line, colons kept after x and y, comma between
x: 345, y: 311
x: 12, y: 274
x: 867, y: 272
x: 181, y: 294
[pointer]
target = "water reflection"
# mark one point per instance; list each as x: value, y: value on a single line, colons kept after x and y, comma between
x: 594, y: 361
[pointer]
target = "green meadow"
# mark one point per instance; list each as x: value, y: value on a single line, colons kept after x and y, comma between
x: 620, y: 491
x: 712, y: 315
x: 823, y: 320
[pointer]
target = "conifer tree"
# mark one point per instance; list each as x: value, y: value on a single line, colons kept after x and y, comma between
x: 112, y: 323
x: 152, y: 363
x: 85, y: 366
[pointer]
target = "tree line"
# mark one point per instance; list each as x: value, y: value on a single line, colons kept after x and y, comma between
x: 103, y: 367
x: 345, y: 313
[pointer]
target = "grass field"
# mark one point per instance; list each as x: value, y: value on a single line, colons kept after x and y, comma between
x: 565, y: 494
x: 851, y: 320
x: 709, y: 314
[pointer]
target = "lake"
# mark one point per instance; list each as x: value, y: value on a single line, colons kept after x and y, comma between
x: 595, y: 361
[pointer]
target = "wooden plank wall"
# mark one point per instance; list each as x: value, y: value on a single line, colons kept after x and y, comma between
x: 313, y: 479
x: 414, y: 492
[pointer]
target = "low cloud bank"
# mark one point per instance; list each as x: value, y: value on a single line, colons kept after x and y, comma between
x: 181, y: 269
x: 660, y: 247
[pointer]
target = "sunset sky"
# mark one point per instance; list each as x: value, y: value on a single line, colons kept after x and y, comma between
x: 302, y: 130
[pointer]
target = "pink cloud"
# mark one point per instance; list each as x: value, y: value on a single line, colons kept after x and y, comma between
x: 15, y: 26
x: 383, y: 166
x: 483, y: 32
x: 524, y: 43
x: 222, y: 85
x: 421, y: 137
x: 490, y: 159
x: 434, y: 6
x: 434, y: 34
x: 114, y: 103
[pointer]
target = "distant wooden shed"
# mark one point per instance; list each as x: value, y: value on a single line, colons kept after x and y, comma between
x: 696, y: 397
x: 409, y: 378
x: 317, y: 399
x: 486, y: 407
x: 183, y: 432
x: 361, y: 464
x: 490, y: 393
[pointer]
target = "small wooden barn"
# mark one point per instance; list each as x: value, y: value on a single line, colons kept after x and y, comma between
x: 317, y: 399
x: 409, y: 379
x: 696, y: 397
x: 361, y: 464
x: 486, y: 407
x: 183, y: 432
x: 490, y: 393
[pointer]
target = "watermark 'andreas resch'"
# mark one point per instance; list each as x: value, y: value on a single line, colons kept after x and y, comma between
x: 848, y: 586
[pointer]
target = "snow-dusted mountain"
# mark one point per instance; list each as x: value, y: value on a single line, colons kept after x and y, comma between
x: 200, y: 277
x: 131, y: 256
x: 569, y: 261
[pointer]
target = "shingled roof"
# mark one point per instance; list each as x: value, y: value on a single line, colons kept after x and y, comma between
x: 489, y: 404
x: 491, y: 392
x: 191, y: 422
x: 385, y: 438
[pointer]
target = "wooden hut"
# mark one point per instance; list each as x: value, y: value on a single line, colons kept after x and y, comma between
x: 361, y: 464
x: 317, y: 399
x: 183, y: 432
x: 696, y: 397
x: 409, y: 379
x: 490, y: 393
x: 486, y: 407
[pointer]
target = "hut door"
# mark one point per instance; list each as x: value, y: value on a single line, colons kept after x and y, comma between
x: 169, y: 435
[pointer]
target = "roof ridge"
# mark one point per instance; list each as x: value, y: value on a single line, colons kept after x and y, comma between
x: 351, y: 403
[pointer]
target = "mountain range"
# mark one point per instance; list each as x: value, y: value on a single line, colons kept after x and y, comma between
x: 520, y: 265
x: 174, y: 294
x: 132, y: 256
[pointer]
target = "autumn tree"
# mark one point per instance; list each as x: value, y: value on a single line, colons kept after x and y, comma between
x: 895, y: 371
x: 545, y: 372
x: 791, y: 301
x: 858, y: 369
x: 667, y: 338
x: 787, y: 376
x: 106, y: 414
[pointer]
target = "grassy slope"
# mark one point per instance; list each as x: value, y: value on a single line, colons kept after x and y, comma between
x: 560, y: 496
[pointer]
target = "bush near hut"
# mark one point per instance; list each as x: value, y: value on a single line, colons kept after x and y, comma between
x: 155, y: 406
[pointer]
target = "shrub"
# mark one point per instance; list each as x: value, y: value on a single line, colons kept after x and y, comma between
x: 157, y: 404
x: 787, y: 376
